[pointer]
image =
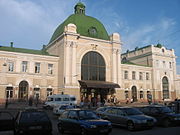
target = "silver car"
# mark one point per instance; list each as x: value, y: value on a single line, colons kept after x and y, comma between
x: 128, y: 117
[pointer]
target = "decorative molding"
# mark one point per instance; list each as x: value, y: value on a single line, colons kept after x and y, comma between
x: 94, y: 46
x: 114, y: 51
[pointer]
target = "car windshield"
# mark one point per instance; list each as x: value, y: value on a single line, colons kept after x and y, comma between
x: 50, y: 99
x: 86, y: 115
x: 73, y: 99
x: 64, y: 107
x: 165, y: 110
x: 132, y: 111
x: 29, y: 117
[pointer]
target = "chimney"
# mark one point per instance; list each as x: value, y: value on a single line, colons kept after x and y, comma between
x: 11, y: 44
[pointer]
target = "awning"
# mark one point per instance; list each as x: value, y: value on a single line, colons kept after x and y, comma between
x: 98, y: 84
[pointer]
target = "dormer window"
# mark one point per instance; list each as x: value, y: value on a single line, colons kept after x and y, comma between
x: 92, y: 31
x: 163, y: 50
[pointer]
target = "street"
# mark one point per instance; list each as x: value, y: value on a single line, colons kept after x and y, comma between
x: 116, y: 130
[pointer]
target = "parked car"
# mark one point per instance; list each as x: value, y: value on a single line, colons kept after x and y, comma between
x: 128, y: 117
x: 30, y: 121
x: 59, y: 99
x: 83, y: 122
x: 101, y: 110
x: 175, y: 106
x: 6, y: 121
x: 164, y: 115
x: 60, y: 109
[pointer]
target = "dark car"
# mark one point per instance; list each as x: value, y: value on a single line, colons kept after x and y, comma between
x: 175, y: 106
x: 30, y: 121
x: 128, y: 117
x: 6, y: 121
x: 83, y: 122
x: 163, y: 114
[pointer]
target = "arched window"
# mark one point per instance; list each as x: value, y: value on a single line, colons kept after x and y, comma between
x: 165, y: 86
x: 23, y: 90
x: 93, y: 67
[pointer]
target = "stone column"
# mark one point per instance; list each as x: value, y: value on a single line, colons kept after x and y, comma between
x: 118, y: 66
x: 67, y: 63
x: 114, y: 68
x: 74, y: 73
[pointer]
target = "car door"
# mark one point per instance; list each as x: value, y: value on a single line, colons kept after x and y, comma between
x: 6, y: 121
x: 73, y: 121
x: 121, y: 117
x: 111, y: 115
x: 156, y: 113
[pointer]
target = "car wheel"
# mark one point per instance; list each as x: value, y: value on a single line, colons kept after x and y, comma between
x: 83, y: 131
x: 130, y: 126
x: 166, y: 123
x: 60, y: 129
x: 16, y: 132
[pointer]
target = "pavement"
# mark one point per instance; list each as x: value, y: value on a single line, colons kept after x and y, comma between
x: 18, y: 106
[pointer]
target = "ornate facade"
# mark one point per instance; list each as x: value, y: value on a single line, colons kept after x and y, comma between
x: 83, y: 60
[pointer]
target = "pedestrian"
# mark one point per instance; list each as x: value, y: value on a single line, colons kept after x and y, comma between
x: 37, y: 100
x: 81, y: 104
x: 127, y: 100
x: 6, y: 103
x: 30, y: 101
x: 131, y: 100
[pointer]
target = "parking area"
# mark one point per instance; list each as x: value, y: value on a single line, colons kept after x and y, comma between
x: 116, y: 129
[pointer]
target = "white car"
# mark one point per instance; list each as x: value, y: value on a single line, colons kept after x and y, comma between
x: 60, y: 109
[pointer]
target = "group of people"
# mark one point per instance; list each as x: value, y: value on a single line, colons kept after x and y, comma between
x: 97, y: 102
x: 33, y: 100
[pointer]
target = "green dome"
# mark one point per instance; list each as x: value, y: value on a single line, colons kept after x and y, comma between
x: 86, y: 25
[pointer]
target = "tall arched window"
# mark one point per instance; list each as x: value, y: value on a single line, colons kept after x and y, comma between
x: 165, y: 86
x: 93, y: 67
x: 23, y: 90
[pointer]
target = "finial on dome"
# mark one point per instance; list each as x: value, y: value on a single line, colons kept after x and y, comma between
x: 80, y: 8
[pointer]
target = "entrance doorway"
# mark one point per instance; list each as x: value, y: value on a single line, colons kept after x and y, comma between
x: 134, y: 93
x: 23, y: 90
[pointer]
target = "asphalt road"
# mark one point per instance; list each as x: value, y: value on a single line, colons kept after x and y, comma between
x: 116, y: 130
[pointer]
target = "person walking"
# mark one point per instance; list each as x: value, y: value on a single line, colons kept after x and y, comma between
x: 6, y: 103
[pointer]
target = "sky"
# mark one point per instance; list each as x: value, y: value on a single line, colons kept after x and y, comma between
x: 31, y: 23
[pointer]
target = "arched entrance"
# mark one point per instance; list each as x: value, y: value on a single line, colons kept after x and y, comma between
x: 134, y: 93
x: 23, y: 90
x: 165, y: 87
x: 94, y: 87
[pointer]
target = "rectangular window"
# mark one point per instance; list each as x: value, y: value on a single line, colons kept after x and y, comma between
x: 37, y: 67
x: 125, y: 74
x: 141, y: 94
x: 126, y: 94
x: 147, y: 76
x: 11, y: 66
x: 170, y: 65
x: 49, y: 91
x: 133, y: 75
x: 24, y: 66
x: 140, y: 76
x: 9, y: 92
x: 36, y: 92
x: 50, y: 68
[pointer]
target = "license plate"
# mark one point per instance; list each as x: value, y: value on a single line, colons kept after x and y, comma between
x: 103, y: 130
x: 35, y: 127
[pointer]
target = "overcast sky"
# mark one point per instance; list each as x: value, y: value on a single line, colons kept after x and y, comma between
x: 31, y: 23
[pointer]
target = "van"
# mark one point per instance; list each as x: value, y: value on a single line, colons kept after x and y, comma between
x: 59, y: 99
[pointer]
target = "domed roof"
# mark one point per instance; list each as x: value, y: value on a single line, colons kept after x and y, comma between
x: 86, y: 25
